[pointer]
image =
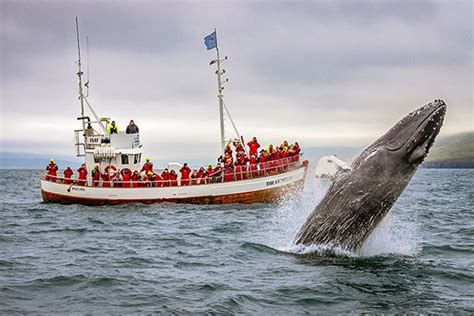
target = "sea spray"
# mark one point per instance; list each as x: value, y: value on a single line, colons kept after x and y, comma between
x: 291, y: 212
x: 396, y: 234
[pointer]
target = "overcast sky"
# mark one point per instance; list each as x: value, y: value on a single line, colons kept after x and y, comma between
x: 325, y: 73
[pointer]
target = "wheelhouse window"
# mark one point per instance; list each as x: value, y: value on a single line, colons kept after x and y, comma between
x: 137, y: 158
x: 124, y: 159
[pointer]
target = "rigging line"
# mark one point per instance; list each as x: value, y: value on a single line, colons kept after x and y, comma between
x: 95, y: 116
x: 87, y: 42
x: 87, y: 82
x: 235, y: 128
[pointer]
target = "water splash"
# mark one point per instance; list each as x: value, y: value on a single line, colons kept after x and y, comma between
x: 291, y: 213
x: 396, y: 234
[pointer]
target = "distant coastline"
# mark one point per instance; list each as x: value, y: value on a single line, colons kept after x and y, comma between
x: 448, y: 165
x: 453, y: 151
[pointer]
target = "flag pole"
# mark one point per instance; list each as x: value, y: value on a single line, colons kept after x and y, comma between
x: 220, y: 96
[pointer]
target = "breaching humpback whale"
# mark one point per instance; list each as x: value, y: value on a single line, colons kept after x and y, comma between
x: 359, y: 199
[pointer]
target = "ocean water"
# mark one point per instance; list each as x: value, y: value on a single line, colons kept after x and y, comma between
x: 236, y: 258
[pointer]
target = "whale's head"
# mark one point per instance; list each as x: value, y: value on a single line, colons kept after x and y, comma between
x: 406, y: 144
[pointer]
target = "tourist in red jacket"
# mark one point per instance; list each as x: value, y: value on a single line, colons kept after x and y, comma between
x: 194, y: 177
x: 67, y: 175
x: 185, y: 173
x: 293, y: 156
x: 253, y: 168
x: 228, y: 150
x: 217, y: 173
x: 276, y: 157
x: 284, y: 158
x: 81, y: 179
x: 105, y: 180
x: 52, y: 170
x: 173, y: 179
x: 135, y: 179
x: 228, y: 160
x: 239, y: 149
x: 165, y: 177
x: 253, y: 146
x: 95, y: 176
x: 117, y: 180
x: 209, y: 173
x: 157, y: 181
x: 148, y: 166
x: 228, y: 174
x: 239, y: 171
x: 297, y: 147
x: 126, y: 177
x: 201, y: 175
x: 144, y: 181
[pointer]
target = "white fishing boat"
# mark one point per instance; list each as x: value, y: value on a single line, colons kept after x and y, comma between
x: 115, y: 152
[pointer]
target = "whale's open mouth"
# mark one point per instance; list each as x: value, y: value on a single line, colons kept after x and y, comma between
x: 423, y: 137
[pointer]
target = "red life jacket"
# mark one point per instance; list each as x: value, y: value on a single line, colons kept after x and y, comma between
x: 135, y: 179
x: 239, y: 149
x: 253, y: 170
x: 209, y: 171
x: 67, y: 175
x: 147, y: 167
x: 194, y: 178
x: 158, y: 180
x: 126, y: 176
x: 81, y: 180
x: 52, y: 168
x: 253, y: 147
x: 82, y: 173
x: 239, y: 172
x: 165, y: 176
x: 173, y: 179
x: 228, y: 174
x: 185, y: 172
x: 95, y: 177
x: 95, y: 174
x: 217, y: 171
x: 105, y: 180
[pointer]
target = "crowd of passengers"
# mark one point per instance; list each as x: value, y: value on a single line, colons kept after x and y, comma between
x: 242, y: 165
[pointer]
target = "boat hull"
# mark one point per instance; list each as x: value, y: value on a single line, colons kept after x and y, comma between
x: 265, y: 189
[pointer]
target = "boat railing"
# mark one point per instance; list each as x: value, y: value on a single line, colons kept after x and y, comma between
x: 249, y: 171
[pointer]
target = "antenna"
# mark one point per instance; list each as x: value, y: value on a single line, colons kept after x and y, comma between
x: 79, y: 74
x: 87, y: 82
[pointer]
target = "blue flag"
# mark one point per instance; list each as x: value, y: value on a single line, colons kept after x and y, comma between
x: 211, y: 40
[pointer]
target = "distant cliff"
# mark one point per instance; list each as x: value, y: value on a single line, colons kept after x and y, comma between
x: 453, y: 151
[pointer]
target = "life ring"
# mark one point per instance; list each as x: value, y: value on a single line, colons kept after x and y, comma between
x: 114, y: 171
